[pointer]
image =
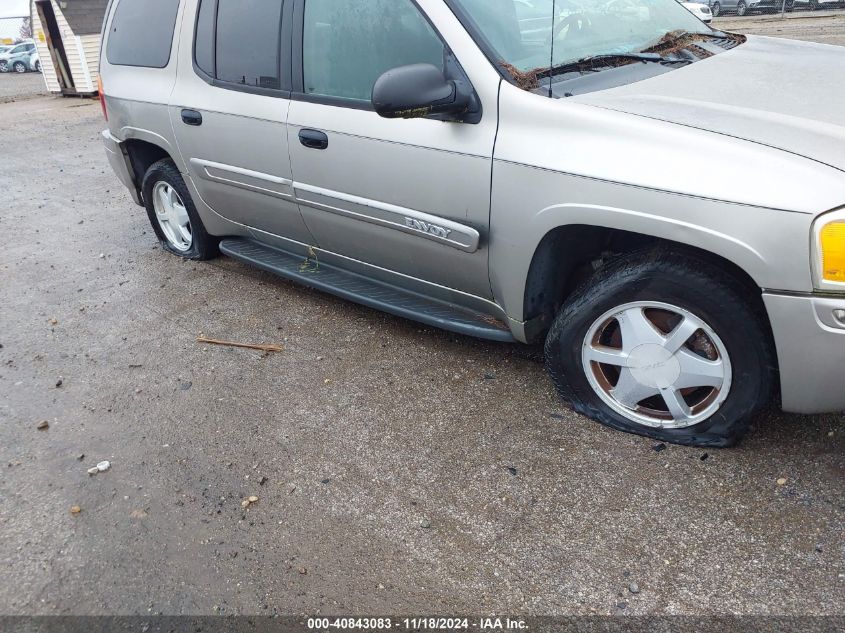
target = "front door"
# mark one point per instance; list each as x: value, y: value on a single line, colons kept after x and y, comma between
x: 409, y: 196
x: 229, y: 110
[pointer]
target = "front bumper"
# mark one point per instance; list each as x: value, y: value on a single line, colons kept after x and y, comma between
x: 119, y: 162
x: 810, y: 338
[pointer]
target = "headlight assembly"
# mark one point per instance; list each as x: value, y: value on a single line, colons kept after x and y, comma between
x: 829, y: 251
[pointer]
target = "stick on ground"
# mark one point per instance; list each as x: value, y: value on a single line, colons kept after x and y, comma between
x: 260, y: 348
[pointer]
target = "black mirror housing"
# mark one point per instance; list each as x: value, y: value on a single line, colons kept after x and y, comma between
x: 419, y: 91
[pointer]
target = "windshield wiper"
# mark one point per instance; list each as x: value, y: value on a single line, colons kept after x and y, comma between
x: 607, y: 59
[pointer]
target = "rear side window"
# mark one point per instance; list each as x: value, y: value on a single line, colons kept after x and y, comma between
x: 238, y: 42
x: 142, y: 33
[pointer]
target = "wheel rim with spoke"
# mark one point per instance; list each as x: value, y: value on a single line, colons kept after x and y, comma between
x: 172, y: 216
x: 657, y: 364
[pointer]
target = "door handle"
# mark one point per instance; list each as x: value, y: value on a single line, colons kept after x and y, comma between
x: 191, y: 117
x: 313, y: 139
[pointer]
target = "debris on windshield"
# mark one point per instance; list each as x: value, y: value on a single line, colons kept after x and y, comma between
x: 525, y: 80
x: 671, y: 44
x: 675, y: 41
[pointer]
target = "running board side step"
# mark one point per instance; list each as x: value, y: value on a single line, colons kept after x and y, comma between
x: 368, y: 292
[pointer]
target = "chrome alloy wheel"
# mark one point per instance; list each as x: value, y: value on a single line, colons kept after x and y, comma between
x: 172, y: 216
x: 657, y: 365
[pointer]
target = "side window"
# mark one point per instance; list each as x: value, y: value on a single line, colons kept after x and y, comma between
x: 204, y: 38
x: 238, y: 41
x: 348, y: 44
x: 142, y: 33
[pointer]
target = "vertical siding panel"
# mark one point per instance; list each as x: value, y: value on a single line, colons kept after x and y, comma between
x: 71, y: 52
x: 91, y: 45
x: 48, y: 71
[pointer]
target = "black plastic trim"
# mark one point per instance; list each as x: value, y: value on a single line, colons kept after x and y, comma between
x: 366, y: 291
x: 479, y: 39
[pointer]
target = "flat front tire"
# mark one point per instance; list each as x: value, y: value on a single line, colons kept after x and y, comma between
x: 666, y: 346
x: 173, y: 216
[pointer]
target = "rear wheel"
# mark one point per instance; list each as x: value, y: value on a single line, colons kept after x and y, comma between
x: 4, y: 66
x: 741, y: 9
x: 663, y: 346
x: 173, y: 216
x: 716, y: 9
x: 38, y: 66
x: 814, y: 5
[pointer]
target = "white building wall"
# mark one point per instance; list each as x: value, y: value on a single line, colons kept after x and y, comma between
x: 82, y: 52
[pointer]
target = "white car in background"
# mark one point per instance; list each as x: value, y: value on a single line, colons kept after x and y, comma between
x: 701, y: 11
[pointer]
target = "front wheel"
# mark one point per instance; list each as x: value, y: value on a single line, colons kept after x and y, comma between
x: 665, y: 346
x: 741, y: 9
x: 716, y: 9
x: 19, y: 67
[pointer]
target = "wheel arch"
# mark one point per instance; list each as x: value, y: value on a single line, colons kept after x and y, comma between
x: 567, y: 255
x: 142, y: 154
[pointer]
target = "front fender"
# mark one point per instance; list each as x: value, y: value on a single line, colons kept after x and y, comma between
x: 773, y: 247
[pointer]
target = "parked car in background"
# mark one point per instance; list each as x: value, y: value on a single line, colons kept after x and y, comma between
x: 17, y: 58
x: 35, y: 62
x: 743, y: 7
x: 701, y: 11
x: 815, y: 5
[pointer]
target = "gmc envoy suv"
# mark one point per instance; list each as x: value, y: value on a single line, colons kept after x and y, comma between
x: 514, y: 176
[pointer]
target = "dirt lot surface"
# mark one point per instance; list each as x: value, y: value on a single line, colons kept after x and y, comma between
x: 18, y: 87
x: 399, y: 469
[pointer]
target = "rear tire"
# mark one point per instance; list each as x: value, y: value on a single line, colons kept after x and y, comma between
x: 182, y: 233
x: 741, y: 9
x: 732, y: 336
x: 716, y: 9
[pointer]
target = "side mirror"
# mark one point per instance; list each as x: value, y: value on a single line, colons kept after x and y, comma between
x: 418, y: 91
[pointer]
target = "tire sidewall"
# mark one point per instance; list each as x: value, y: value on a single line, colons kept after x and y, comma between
x: 749, y: 362
x: 202, y: 245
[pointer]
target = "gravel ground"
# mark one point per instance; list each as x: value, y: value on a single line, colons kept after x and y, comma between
x: 18, y: 87
x: 399, y: 469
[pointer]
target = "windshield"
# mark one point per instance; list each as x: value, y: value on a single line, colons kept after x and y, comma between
x: 522, y: 35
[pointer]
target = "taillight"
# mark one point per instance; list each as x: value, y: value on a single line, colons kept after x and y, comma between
x: 102, y: 97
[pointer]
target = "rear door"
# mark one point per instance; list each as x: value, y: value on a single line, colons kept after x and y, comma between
x: 409, y: 196
x: 229, y: 111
